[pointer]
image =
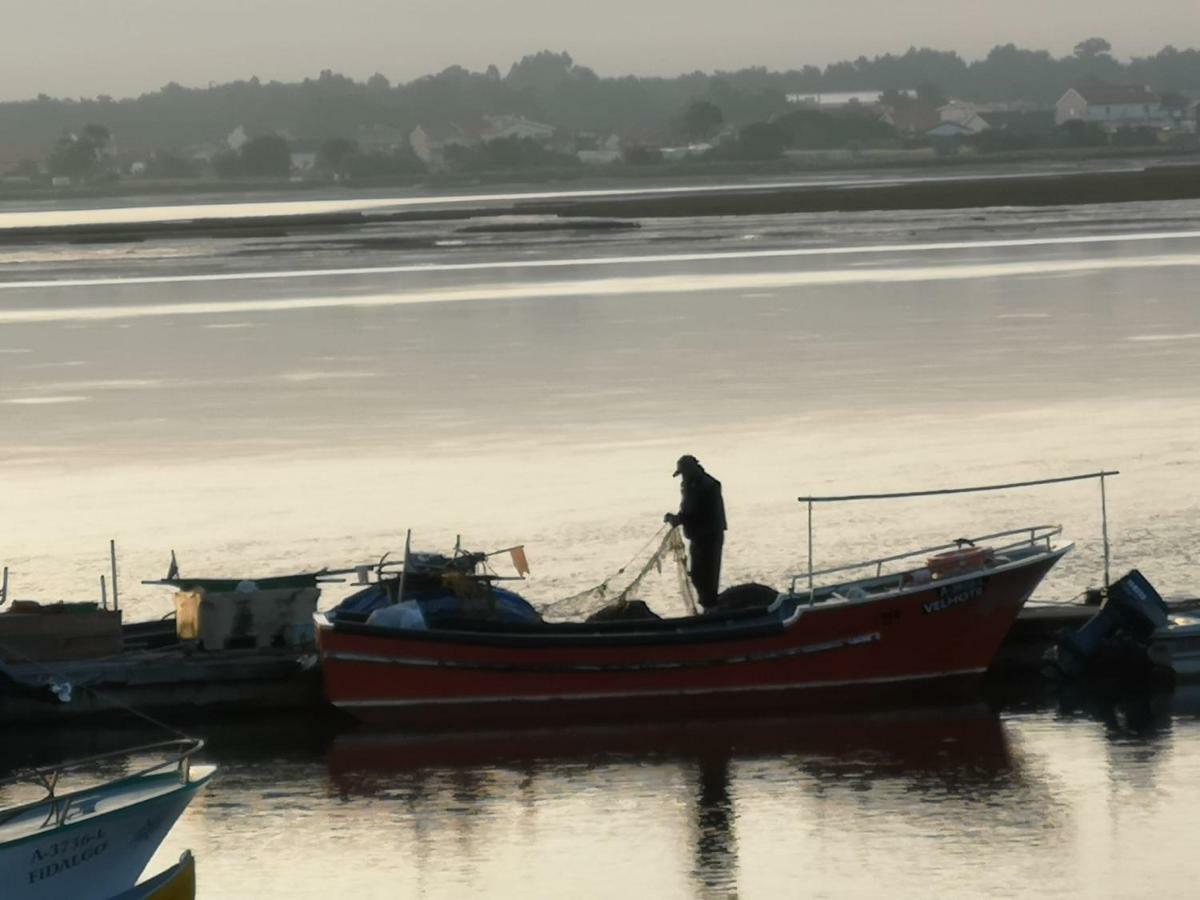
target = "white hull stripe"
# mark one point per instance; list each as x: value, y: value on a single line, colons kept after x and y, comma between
x: 626, y: 695
x: 431, y: 663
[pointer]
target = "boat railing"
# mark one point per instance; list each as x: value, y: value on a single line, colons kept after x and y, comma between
x: 1033, y: 537
x: 898, y: 495
x: 177, y: 756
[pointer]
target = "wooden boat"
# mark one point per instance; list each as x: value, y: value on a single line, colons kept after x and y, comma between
x: 928, y: 630
x: 93, y: 841
x: 176, y: 883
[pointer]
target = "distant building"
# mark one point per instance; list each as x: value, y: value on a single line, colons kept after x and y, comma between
x: 1180, y: 111
x: 303, y: 160
x: 950, y: 130
x: 1111, y: 106
x: 674, y: 154
x: 601, y: 153
x: 963, y: 115
x: 912, y: 116
x: 236, y: 139
x: 430, y: 142
x: 838, y: 99
x: 506, y: 126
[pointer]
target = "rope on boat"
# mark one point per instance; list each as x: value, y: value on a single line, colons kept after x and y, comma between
x: 61, y: 688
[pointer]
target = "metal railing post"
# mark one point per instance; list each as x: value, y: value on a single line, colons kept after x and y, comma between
x: 1104, y: 527
x: 810, y: 553
x: 1034, y: 537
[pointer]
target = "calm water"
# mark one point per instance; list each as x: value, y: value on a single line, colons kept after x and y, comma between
x: 1054, y: 797
x: 274, y: 404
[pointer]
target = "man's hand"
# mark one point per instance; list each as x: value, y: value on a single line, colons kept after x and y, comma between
x: 671, y: 519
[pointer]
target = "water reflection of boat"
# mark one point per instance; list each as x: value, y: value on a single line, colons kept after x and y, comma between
x: 902, y: 742
x: 715, y: 773
x: 176, y: 883
x: 929, y: 630
x: 92, y: 841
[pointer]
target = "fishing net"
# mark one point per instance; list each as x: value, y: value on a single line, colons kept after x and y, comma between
x: 621, y: 587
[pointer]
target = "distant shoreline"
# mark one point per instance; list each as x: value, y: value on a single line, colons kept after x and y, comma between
x: 1156, y: 182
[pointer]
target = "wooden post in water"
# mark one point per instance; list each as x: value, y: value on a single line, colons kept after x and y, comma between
x: 103, y: 594
x: 4, y: 588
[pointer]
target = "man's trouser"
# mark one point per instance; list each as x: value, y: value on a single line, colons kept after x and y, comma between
x: 706, y: 568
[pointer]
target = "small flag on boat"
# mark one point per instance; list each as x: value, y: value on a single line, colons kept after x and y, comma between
x: 520, y: 563
x: 173, y: 568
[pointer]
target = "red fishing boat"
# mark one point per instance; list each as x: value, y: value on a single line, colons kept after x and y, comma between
x: 930, y: 628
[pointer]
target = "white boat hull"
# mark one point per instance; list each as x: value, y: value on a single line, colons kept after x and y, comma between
x: 94, y: 854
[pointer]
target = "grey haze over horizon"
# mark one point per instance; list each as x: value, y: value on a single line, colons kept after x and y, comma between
x: 86, y: 48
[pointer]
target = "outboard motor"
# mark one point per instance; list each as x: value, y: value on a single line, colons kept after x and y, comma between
x: 1134, y: 608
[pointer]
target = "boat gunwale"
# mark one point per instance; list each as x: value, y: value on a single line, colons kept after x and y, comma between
x: 674, y: 631
x: 169, y: 877
x: 190, y: 786
x: 47, y: 777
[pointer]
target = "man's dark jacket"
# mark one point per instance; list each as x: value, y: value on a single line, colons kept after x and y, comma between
x: 702, y: 512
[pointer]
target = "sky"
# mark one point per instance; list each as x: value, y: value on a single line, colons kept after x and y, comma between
x: 85, y: 48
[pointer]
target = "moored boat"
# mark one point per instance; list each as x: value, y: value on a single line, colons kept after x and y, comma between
x: 92, y: 842
x: 930, y: 629
x: 176, y: 883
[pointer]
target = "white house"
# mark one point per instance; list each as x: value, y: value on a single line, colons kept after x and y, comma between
x: 965, y: 115
x: 1111, y: 106
x: 429, y: 142
x: 303, y: 160
x: 508, y: 126
x: 839, y: 99
x: 236, y: 139
x: 605, y: 152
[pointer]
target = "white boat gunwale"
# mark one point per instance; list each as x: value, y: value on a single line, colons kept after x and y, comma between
x: 820, y: 598
x: 175, y: 770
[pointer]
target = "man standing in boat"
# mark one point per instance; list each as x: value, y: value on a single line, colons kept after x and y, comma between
x: 702, y: 517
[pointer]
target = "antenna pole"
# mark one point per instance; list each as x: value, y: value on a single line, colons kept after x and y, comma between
x: 112, y: 555
x: 404, y: 569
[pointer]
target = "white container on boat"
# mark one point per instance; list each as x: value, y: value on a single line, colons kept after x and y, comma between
x: 246, y: 616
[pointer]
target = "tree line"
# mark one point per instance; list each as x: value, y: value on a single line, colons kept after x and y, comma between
x: 552, y: 88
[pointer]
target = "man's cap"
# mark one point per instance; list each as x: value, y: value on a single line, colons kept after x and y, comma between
x: 686, y: 458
